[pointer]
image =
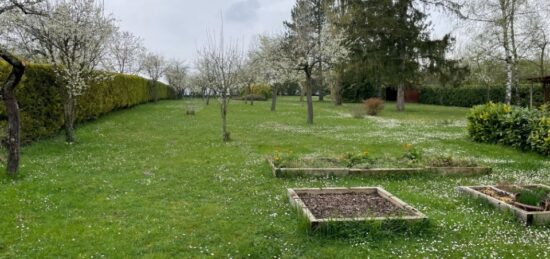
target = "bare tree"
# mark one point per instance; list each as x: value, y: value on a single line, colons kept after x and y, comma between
x: 177, y: 76
x: 123, y: 54
x: 502, y: 22
x: 221, y: 65
x: 154, y: 65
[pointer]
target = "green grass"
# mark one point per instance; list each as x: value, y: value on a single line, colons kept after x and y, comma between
x: 153, y: 182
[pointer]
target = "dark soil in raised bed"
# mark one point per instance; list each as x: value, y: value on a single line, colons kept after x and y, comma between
x: 351, y: 205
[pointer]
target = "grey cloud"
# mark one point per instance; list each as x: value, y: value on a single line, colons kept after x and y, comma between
x: 243, y: 11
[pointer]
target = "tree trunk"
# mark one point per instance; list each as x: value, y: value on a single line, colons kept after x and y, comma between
x: 515, y: 52
x: 337, y: 90
x: 273, y: 98
x: 226, y: 135
x: 506, y: 45
x: 302, y: 91
x: 401, y: 97
x: 69, y: 113
x: 321, y: 85
x: 309, y: 96
x: 12, y: 110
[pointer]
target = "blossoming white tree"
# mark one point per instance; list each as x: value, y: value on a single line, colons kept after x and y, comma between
x: 221, y: 66
x: 19, y: 7
x: 311, y: 48
x: 272, y: 65
x: 72, y: 36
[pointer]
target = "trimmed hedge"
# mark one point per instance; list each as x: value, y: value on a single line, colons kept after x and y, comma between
x: 522, y: 128
x: 41, y: 103
x: 469, y: 96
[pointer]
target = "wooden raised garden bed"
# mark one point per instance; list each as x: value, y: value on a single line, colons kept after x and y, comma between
x: 361, y: 205
x: 507, y: 198
x: 324, y: 172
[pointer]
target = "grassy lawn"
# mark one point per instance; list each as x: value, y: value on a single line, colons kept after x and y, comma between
x: 153, y: 182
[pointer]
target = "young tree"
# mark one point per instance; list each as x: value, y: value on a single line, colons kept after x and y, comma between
x: 72, y: 37
x: 309, y: 49
x: 13, y: 139
x: 154, y: 66
x: 177, y: 76
x: 123, y: 53
x: 221, y: 65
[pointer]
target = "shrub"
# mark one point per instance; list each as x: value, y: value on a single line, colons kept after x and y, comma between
x: 510, y: 125
x: 373, y: 106
x: 41, y: 103
x: 262, y: 90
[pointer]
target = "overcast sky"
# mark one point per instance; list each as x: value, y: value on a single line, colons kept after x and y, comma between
x: 176, y: 28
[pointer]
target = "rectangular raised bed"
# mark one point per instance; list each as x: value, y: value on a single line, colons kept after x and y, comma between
x: 528, y: 217
x: 370, y: 204
x: 324, y: 172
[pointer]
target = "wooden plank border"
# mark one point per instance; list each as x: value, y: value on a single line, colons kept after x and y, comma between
x: 325, y: 172
x: 314, y: 222
x: 528, y: 218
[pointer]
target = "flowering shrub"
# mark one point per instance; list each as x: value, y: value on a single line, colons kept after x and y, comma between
x: 513, y: 126
x: 374, y: 106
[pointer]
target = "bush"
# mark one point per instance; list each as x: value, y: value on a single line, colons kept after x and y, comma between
x: 510, y: 125
x: 469, y: 96
x: 41, y: 103
x: 373, y: 106
x: 263, y: 90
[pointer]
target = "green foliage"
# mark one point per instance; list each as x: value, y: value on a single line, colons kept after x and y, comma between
x: 41, y: 102
x: 263, y: 90
x: 142, y: 183
x: 469, y: 96
x: 533, y: 197
x: 510, y: 125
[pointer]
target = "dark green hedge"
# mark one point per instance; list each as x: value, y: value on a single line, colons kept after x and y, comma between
x: 521, y: 128
x: 42, y: 107
x: 470, y: 96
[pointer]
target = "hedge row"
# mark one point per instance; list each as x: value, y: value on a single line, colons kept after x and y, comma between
x: 522, y: 128
x: 41, y: 103
x: 471, y: 96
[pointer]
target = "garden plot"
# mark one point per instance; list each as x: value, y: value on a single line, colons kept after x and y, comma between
x: 361, y: 205
x: 530, y: 203
x: 365, y: 165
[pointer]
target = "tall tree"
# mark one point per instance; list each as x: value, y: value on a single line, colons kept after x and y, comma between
x: 310, y: 49
x: 13, y: 139
x: 390, y: 42
x: 72, y: 37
